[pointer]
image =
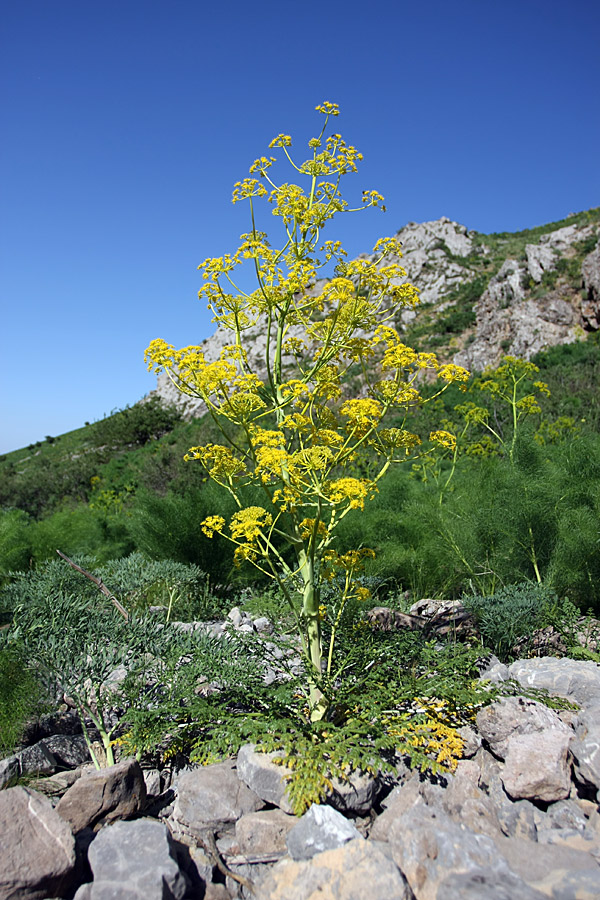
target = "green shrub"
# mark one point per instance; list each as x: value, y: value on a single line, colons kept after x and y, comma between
x: 136, y: 581
x: 512, y: 613
x: 21, y: 696
x: 15, y: 540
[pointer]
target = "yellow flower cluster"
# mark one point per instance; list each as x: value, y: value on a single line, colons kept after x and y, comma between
x: 353, y: 491
x: 249, y: 523
x: 444, y: 439
x: 307, y: 528
x: 218, y: 460
x: 212, y: 524
x: 363, y: 414
x: 398, y: 439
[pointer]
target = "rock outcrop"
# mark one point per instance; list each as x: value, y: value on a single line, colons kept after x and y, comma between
x: 518, y: 303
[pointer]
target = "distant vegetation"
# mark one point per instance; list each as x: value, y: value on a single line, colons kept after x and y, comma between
x: 121, y: 485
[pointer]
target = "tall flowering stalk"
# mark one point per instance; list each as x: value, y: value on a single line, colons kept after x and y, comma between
x: 295, y: 434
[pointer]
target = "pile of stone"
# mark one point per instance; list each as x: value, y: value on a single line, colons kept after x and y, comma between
x: 518, y: 818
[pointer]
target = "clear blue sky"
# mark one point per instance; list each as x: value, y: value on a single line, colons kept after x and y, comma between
x: 126, y: 123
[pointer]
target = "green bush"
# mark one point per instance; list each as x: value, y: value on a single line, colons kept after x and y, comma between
x: 512, y: 614
x: 15, y: 541
x: 21, y: 697
x: 136, y: 581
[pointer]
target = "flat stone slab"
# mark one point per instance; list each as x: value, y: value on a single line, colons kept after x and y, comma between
x: 575, y: 680
x: 37, y: 847
x: 359, y: 869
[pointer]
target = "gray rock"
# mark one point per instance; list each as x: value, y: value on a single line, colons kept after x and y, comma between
x: 355, y: 871
x: 320, y: 828
x: 512, y: 716
x: 263, y: 833
x: 135, y: 861
x: 38, y: 848
x: 56, y: 785
x: 590, y: 276
x: 37, y: 760
x: 427, y: 846
x: 537, y: 767
x: 259, y: 772
x: 586, y: 747
x: 557, y: 871
x: 489, y: 884
x: 102, y: 796
x: 468, y: 805
x: 235, y: 616
x: 356, y: 794
x: 575, y: 680
x: 540, y: 259
x: 152, y: 782
x: 403, y: 800
x: 472, y: 741
x: 518, y: 818
x: 9, y: 771
x: 263, y: 625
x: 211, y: 797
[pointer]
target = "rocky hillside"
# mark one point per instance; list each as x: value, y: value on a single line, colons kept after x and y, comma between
x: 482, y: 295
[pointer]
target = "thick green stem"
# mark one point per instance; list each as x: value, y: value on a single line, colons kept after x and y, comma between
x: 313, y: 648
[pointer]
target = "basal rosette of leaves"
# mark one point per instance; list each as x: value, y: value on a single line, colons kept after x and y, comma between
x: 287, y: 427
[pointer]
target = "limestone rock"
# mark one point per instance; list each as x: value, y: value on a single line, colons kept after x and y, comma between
x: 590, y: 276
x: 540, y: 259
x: 511, y: 716
x: 101, y: 796
x: 320, y: 828
x: 586, y: 747
x: 136, y: 860
x: 213, y: 796
x: 263, y: 833
x: 553, y: 870
x: 356, y: 870
x: 9, y: 770
x: 536, y: 765
x: 489, y: 884
x: 575, y: 680
x: 427, y: 846
x: 259, y: 772
x: 38, y: 848
x: 356, y: 794
x: 403, y: 800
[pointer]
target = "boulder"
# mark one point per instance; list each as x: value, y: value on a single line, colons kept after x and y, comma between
x: 428, y: 846
x: 356, y: 870
x: 512, y: 716
x: 537, y: 766
x: 575, y: 680
x: 586, y: 748
x: 212, y: 797
x: 9, y: 771
x: 58, y: 751
x: 320, y: 828
x: 104, y: 795
x: 38, y: 848
x: 134, y: 860
x: 263, y: 833
x: 261, y: 775
x: 556, y: 871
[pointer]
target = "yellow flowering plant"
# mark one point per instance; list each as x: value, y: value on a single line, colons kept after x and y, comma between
x: 295, y: 435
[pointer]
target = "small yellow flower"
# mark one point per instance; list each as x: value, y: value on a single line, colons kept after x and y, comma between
x: 444, y: 439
